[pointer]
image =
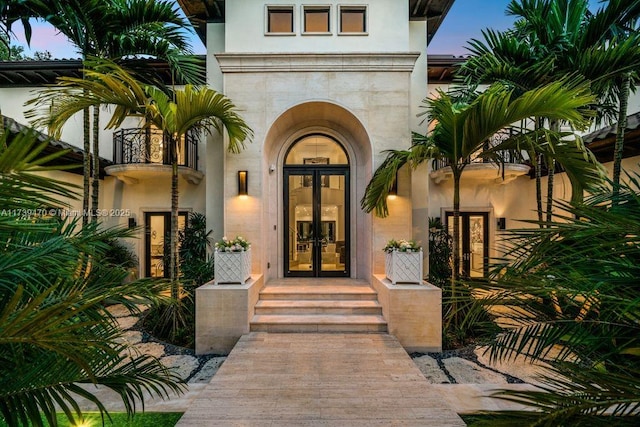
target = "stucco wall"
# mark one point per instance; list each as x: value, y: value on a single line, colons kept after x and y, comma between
x: 388, y: 28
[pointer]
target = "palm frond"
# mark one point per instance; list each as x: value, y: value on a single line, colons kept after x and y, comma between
x: 375, y: 196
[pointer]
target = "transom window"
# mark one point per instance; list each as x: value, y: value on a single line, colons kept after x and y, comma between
x: 317, y: 150
x: 280, y: 19
x: 316, y: 19
x: 353, y: 19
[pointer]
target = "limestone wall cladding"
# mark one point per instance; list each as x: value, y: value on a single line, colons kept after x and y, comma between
x: 388, y: 28
x: 378, y: 100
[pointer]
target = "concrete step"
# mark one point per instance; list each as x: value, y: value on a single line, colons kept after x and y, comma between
x: 284, y: 307
x: 318, y: 293
x: 318, y: 323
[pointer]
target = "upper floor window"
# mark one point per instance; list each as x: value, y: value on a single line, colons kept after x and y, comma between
x: 316, y: 19
x: 280, y: 19
x: 353, y: 19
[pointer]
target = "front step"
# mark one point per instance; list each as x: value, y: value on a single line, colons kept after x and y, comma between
x: 318, y: 306
x: 285, y: 307
x: 318, y: 293
x: 318, y: 323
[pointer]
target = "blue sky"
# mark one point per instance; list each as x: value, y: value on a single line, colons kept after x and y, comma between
x: 464, y: 21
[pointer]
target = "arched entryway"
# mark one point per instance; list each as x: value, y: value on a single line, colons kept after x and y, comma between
x: 316, y: 209
x: 289, y: 141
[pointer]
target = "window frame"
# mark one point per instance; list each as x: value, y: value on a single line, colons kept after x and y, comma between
x: 317, y: 7
x: 281, y: 8
x: 353, y: 7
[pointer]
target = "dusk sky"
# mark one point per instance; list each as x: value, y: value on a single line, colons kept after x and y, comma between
x: 464, y: 21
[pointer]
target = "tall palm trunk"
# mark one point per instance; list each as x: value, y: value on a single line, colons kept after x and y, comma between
x: 86, y: 161
x: 554, y: 126
x: 455, y: 274
x: 622, y: 126
x: 538, y: 169
x: 95, y: 183
x: 174, y: 218
x: 551, y: 166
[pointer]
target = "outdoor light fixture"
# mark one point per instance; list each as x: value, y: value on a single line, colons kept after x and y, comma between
x: 243, y: 183
x: 132, y: 222
x: 393, y: 191
x: 502, y: 223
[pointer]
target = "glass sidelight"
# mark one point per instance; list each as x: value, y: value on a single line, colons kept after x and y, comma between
x: 474, y: 244
x: 316, y: 214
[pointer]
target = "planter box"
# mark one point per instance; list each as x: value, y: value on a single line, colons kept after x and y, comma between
x: 404, y: 267
x: 232, y: 267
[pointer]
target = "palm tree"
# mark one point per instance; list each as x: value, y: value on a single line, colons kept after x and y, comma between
x: 118, y: 30
x: 590, y: 260
x: 462, y: 129
x: 107, y: 83
x: 55, y: 331
x: 554, y: 38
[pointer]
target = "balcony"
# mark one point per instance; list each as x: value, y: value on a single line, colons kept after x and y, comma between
x: 479, y: 168
x: 145, y: 153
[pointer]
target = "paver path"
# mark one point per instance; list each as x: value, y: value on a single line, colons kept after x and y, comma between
x: 319, y: 380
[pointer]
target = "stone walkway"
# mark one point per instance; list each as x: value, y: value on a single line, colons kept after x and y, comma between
x: 307, y: 379
x: 462, y: 381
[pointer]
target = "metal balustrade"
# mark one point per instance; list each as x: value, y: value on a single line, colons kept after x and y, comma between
x: 507, y: 156
x: 152, y: 146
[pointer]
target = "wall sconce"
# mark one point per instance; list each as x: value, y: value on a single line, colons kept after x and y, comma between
x: 502, y: 223
x: 393, y: 191
x: 132, y: 222
x: 243, y: 183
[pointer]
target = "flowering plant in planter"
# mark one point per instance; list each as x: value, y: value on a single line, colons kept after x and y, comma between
x: 239, y: 244
x: 402, y: 246
x: 403, y: 262
x: 232, y: 260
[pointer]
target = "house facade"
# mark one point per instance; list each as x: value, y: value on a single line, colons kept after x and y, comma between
x: 326, y: 86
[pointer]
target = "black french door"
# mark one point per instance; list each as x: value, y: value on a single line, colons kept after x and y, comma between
x: 474, y: 244
x: 316, y: 215
x: 157, y: 228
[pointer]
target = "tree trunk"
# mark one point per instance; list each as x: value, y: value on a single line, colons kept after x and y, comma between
x: 174, y: 218
x: 550, y: 181
x: 554, y: 126
x: 622, y: 126
x: 95, y: 183
x: 455, y: 274
x: 538, y: 169
x: 86, y: 160
x: 539, y: 123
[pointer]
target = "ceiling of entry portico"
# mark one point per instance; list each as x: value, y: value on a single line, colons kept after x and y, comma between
x: 318, y: 114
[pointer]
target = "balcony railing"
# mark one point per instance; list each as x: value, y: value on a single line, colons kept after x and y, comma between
x: 510, y: 156
x: 507, y: 156
x: 152, y: 146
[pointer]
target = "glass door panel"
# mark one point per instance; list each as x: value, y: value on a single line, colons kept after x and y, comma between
x: 332, y: 222
x: 158, y: 240
x: 460, y: 245
x: 477, y: 247
x: 301, y: 233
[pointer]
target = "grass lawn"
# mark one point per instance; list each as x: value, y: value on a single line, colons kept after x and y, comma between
x: 119, y: 419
